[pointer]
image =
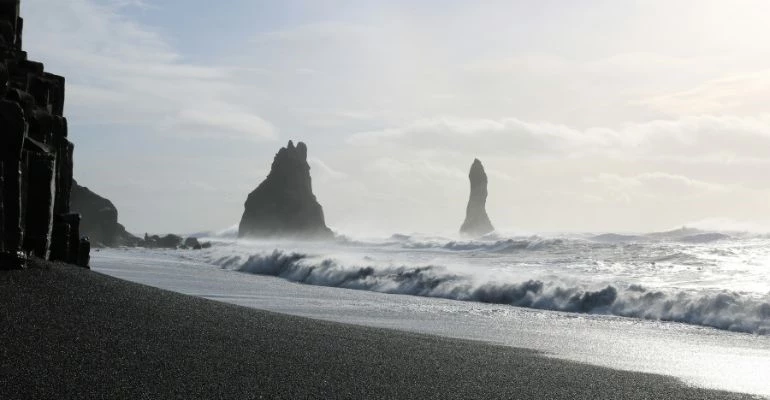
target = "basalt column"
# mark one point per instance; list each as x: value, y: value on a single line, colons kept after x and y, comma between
x: 35, y: 156
x: 12, y: 139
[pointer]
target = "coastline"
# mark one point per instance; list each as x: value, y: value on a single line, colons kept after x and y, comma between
x: 69, y: 332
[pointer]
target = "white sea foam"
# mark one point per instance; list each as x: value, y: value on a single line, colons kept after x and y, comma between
x: 713, y: 285
x: 699, y: 355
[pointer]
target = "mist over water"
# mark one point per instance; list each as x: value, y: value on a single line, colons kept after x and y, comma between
x: 702, y: 278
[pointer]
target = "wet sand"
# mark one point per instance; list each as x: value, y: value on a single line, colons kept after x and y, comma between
x: 72, y: 333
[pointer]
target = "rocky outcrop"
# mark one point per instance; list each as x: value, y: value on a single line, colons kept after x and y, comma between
x: 169, y: 241
x: 99, y: 218
x: 284, y: 205
x: 192, y: 243
x: 35, y: 157
x: 476, y: 220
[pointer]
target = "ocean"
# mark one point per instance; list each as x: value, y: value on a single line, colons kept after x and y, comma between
x: 686, y: 303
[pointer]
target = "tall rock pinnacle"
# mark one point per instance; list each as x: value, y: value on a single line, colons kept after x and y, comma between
x: 284, y: 205
x: 476, y: 220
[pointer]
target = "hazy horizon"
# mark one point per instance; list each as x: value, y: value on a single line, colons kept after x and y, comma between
x: 594, y: 117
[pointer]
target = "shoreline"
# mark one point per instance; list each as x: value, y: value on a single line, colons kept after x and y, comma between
x: 69, y: 332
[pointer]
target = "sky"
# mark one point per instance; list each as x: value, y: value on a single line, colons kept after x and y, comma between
x: 593, y: 115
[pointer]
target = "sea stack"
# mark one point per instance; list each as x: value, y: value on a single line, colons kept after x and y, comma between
x: 476, y: 220
x: 283, y: 205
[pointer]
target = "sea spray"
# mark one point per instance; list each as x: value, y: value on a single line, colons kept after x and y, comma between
x: 721, y: 309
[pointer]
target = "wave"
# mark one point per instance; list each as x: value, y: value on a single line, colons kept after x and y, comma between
x: 508, y: 245
x: 408, y: 242
x: 722, y: 310
x: 496, y: 244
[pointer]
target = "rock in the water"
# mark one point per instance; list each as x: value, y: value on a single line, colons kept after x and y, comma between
x: 284, y: 205
x: 170, y: 241
x: 99, y: 218
x: 192, y: 243
x: 476, y: 220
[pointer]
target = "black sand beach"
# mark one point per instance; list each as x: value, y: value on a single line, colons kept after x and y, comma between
x: 72, y: 333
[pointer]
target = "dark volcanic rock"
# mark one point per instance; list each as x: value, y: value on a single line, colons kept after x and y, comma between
x: 169, y: 241
x: 284, y: 205
x: 476, y: 220
x: 35, y: 156
x: 84, y: 252
x: 99, y: 218
x: 192, y: 243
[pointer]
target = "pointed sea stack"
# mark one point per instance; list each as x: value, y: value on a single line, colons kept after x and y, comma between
x: 283, y: 205
x: 476, y: 220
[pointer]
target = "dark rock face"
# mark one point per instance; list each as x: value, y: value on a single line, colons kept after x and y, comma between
x: 476, y: 220
x: 192, y: 243
x: 284, y: 205
x: 35, y: 156
x: 99, y: 218
x: 84, y: 252
x: 169, y: 241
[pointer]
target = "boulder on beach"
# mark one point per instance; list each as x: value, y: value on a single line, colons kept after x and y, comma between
x: 477, y: 222
x: 283, y: 205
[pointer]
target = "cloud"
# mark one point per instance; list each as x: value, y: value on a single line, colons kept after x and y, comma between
x: 739, y: 93
x: 219, y: 121
x: 730, y: 225
x: 418, y: 171
x: 510, y: 136
x: 705, y: 137
x: 140, y: 4
x: 324, y: 171
x: 121, y: 72
x: 651, y: 185
x: 316, y: 31
x: 577, y: 129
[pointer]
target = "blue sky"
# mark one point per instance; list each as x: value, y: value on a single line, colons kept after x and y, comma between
x: 589, y: 116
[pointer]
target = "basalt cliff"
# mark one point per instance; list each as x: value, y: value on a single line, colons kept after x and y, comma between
x: 36, y: 158
x: 283, y: 205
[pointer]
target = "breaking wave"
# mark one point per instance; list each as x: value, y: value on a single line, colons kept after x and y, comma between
x: 494, y: 243
x: 439, y: 243
x: 718, y: 309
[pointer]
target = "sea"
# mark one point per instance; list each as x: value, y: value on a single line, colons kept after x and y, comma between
x: 686, y: 303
